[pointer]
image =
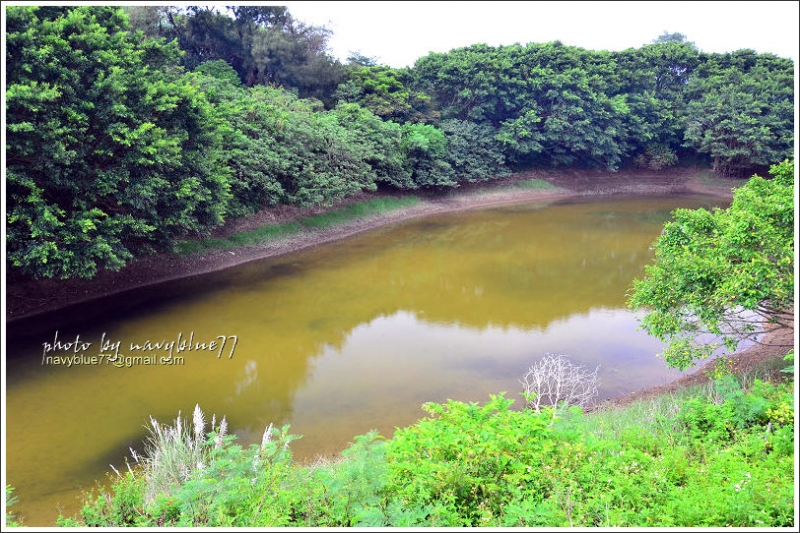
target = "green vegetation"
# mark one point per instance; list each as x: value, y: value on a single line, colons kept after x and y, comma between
x: 264, y: 45
x: 536, y: 184
x: 244, y: 238
x: 10, y: 500
x: 714, y: 456
x: 129, y: 129
x: 276, y: 231
x: 359, y: 210
x: 727, y: 272
x: 110, y: 149
x: 720, y: 455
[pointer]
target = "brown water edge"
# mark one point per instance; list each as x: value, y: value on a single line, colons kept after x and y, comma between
x: 26, y: 298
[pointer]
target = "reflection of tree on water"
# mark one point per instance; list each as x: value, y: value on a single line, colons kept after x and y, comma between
x: 483, y: 268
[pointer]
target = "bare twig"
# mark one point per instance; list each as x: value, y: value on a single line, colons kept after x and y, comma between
x: 554, y: 380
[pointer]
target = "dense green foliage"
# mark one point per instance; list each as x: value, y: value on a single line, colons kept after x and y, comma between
x: 740, y: 114
x: 265, y: 45
x: 109, y: 147
x: 725, y: 272
x: 719, y: 456
x: 129, y: 128
x: 387, y: 93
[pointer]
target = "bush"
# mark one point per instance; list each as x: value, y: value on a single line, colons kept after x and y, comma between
x: 721, y: 456
x: 466, y: 461
x: 656, y: 157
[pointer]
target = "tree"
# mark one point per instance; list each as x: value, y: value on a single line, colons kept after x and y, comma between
x: 253, y: 182
x: 385, y: 91
x: 744, y: 121
x: 473, y: 151
x: 284, y: 149
x: 425, y: 149
x: 264, y: 44
x: 377, y: 141
x: 667, y: 37
x: 111, y: 151
x: 360, y: 60
x: 568, y: 123
x: 728, y: 272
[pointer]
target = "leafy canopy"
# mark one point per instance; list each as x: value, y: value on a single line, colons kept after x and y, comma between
x: 110, y: 152
x: 723, y: 272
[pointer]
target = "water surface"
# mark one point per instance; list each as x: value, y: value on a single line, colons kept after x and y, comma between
x: 339, y: 339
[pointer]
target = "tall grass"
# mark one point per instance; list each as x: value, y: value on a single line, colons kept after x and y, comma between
x: 273, y: 232
x: 173, y: 453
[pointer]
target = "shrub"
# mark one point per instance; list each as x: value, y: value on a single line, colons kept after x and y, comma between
x: 656, y: 157
x: 467, y: 461
x: 720, y: 456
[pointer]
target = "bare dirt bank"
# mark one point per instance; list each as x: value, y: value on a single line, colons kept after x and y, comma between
x: 25, y: 298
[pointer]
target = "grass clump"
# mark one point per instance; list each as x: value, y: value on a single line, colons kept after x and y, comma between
x: 375, y: 206
x: 190, y: 477
x: 244, y: 238
x: 713, y: 456
x: 536, y: 184
x: 273, y: 232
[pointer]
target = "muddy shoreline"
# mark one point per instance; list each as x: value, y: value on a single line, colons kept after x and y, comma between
x: 26, y: 298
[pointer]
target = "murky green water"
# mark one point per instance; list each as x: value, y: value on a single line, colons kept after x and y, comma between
x: 339, y: 339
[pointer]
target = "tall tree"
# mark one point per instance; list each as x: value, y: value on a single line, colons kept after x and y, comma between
x: 386, y: 92
x: 110, y: 150
x: 742, y: 120
x: 264, y: 44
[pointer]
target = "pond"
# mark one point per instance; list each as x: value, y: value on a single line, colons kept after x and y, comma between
x: 336, y: 340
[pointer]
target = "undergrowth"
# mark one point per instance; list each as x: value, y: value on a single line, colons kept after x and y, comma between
x: 714, y: 456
